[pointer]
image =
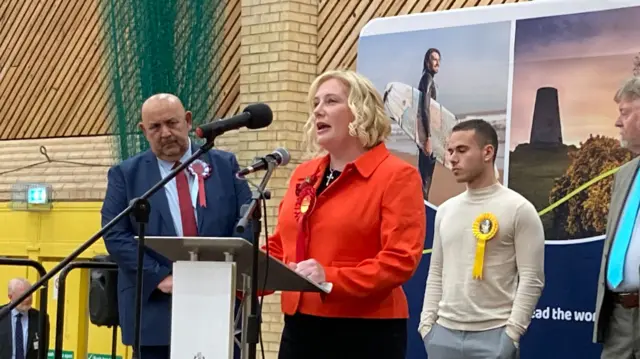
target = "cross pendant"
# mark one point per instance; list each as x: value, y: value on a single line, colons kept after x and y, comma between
x: 330, y: 177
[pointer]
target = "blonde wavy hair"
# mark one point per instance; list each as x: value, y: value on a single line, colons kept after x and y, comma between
x: 371, y: 125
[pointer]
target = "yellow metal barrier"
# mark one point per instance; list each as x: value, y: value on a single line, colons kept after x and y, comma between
x: 47, y: 237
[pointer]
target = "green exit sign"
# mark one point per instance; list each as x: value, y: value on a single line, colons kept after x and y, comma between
x: 101, y: 356
x: 37, y: 195
x: 66, y: 354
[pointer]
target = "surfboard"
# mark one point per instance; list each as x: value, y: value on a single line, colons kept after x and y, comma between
x: 401, y: 105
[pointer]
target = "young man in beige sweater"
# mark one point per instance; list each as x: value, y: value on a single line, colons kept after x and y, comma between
x: 487, y: 266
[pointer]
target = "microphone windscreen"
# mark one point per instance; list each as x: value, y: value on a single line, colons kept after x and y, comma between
x: 261, y: 115
x: 284, y: 154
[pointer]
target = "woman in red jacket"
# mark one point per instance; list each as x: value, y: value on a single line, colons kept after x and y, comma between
x: 353, y: 218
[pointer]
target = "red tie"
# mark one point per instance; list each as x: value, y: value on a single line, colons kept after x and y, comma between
x: 189, y: 227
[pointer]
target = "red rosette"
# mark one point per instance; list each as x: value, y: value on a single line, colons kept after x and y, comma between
x: 201, y: 171
x: 305, y: 201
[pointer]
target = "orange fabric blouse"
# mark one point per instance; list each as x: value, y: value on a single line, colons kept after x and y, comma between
x: 367, y: 229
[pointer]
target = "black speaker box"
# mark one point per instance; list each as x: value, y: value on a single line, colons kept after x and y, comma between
x: 103, y: 295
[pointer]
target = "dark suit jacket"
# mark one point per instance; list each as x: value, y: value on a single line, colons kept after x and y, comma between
x: 6, y: 336
x: 621, y: 187
x: 130, y: 179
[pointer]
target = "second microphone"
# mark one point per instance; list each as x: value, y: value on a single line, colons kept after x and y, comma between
x: 279, y: 157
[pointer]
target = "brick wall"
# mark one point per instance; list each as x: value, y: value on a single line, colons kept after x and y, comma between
x: 76, y: 167
x: 278, y: 48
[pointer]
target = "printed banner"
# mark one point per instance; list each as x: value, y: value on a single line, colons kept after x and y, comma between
x: 544, y: 74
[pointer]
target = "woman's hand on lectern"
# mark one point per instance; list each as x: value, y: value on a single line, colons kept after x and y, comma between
x: 311, y: 269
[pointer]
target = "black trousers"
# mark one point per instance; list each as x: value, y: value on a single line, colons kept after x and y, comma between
x: 426, y: 167
x: 310, y: 337
x: 163, y: 352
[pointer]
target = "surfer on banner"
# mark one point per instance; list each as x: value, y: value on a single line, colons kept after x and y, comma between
x: 427, y: 88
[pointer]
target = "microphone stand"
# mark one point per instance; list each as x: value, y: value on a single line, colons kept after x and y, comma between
x: 140, y: 209
x: 253, y: 216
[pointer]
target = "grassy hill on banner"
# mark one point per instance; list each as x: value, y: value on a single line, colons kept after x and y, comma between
x: 547, y: 174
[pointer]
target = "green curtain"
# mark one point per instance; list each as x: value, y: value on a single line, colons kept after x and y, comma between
x: 158, y: 46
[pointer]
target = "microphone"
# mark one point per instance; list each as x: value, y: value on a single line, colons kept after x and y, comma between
x: 254, y: 116
x: 280, y: 157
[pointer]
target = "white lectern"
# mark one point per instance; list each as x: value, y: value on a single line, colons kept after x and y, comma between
x: 207, y: 272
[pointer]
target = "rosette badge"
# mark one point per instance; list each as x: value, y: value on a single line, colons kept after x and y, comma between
x: 305, y: 200
x: 484, y: 229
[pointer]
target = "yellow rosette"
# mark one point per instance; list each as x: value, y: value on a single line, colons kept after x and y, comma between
x: 484, y: 228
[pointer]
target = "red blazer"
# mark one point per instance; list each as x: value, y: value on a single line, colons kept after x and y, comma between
x: 367, y: 229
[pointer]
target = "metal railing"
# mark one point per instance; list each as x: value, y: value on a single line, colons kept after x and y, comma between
x: 62, y: 281
x: 43, y: 344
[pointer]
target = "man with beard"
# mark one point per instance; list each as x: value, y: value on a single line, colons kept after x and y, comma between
x: 427, y: 88
x: 616, y: 324
x: 175, y: 211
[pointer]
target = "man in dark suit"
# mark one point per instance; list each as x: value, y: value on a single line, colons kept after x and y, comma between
x: 175, y: 211
x: 617, y: 302
x: 19, y: 337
